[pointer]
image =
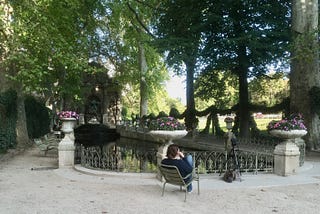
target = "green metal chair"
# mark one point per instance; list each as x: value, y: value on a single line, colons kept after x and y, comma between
x: 47, y: 143
x: 172, y: 176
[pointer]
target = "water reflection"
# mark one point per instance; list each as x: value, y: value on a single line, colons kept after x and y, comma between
x: 124, y: 155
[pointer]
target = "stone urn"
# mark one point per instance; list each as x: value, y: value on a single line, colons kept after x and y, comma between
x: 66, y: 146
x: 288, y: 135
x: 68, y: 125
x: 286, y: 153
x: 229, y: 121
x: 167, y: 136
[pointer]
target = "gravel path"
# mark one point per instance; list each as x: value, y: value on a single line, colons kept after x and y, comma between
x: 31, y: 183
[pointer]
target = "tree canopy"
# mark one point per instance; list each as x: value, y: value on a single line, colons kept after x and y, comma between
x: 243, y: 37
x: 50, y: 44
x: 219, y: 45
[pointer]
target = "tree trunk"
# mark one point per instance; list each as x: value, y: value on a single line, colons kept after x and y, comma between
x: 190, y: 118
x: 304, y: 66
x: 143, y: 83
x: 244, y: 114
x: 243, y: 111
x: 21, y: 126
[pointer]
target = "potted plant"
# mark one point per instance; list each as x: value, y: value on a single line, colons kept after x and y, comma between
x: 166, y: 123
x: 67, y: 115
x: 287, y: 154
x: 68, y: 119
x: 288, y: 128
x: 167, y: 128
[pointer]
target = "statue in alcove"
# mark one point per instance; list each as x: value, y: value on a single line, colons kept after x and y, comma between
x: 93, y: 110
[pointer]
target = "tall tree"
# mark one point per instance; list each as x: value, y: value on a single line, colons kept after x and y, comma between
x: 245, y: 37
x: 5, y: 32
x: 179, y: 36
x: 305, y: 65
x: 128, y: 47
x: 51, y: 43
x: 48, y: 48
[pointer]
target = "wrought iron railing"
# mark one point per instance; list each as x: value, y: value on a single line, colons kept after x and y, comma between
x: 254, y: 155
x: 119, y: 159
x: 124, y: 160
x: 220, y: 161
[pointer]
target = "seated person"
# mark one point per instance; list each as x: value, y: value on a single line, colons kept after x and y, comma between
x: 184, y: 164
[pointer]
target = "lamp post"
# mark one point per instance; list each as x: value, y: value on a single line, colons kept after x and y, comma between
x: 229, y: 134
x: 229, y: 121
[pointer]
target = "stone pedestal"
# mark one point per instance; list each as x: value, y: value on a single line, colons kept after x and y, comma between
x: 286, y: 158
x: 66, y: 151
x: 287, y: 154
x: 302, y: 149
x: 161, y: 154
x: 66, y: 146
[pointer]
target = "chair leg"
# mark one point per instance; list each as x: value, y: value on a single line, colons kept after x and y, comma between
x: 198, y: 186
x: 185, y: 195
x: 164, y: 185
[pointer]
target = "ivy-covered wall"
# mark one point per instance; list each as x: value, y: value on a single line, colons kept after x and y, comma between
x: 8, y: 118
x: 37, y: 115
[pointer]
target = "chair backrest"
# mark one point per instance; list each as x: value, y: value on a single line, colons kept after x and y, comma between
x: 171, y: 174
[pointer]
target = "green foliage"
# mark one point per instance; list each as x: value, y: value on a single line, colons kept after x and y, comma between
x: 216, y: 88
x: 8, y: 116
x: 179, y: 31
x: 174, y: 113
x: 269, y: 90
x: 51, y: 43
x: 162, y: 114
x: 128, y: 24
x: 124, y: 113
x: 38, y: 119
x: 130, y: 101
x: 246, y: 36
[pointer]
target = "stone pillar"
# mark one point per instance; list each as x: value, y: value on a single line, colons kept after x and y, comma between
x: 66, y: 146
x: 66, y: 151
x: 161, y: 154
x: 302, y: 149
x: 286, y: 158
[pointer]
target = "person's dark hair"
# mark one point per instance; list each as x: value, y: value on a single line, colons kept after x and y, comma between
x: 172, y: 151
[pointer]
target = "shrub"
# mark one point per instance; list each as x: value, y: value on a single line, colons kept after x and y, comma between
x: 38, y: 118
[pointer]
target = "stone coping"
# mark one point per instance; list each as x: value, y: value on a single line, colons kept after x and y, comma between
x: 98, y: 172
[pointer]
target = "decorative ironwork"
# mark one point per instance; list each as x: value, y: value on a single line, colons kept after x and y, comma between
x: 112, y: 157
x: 220, y: 161
x: 132, y: 160
x: 254, y: 155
